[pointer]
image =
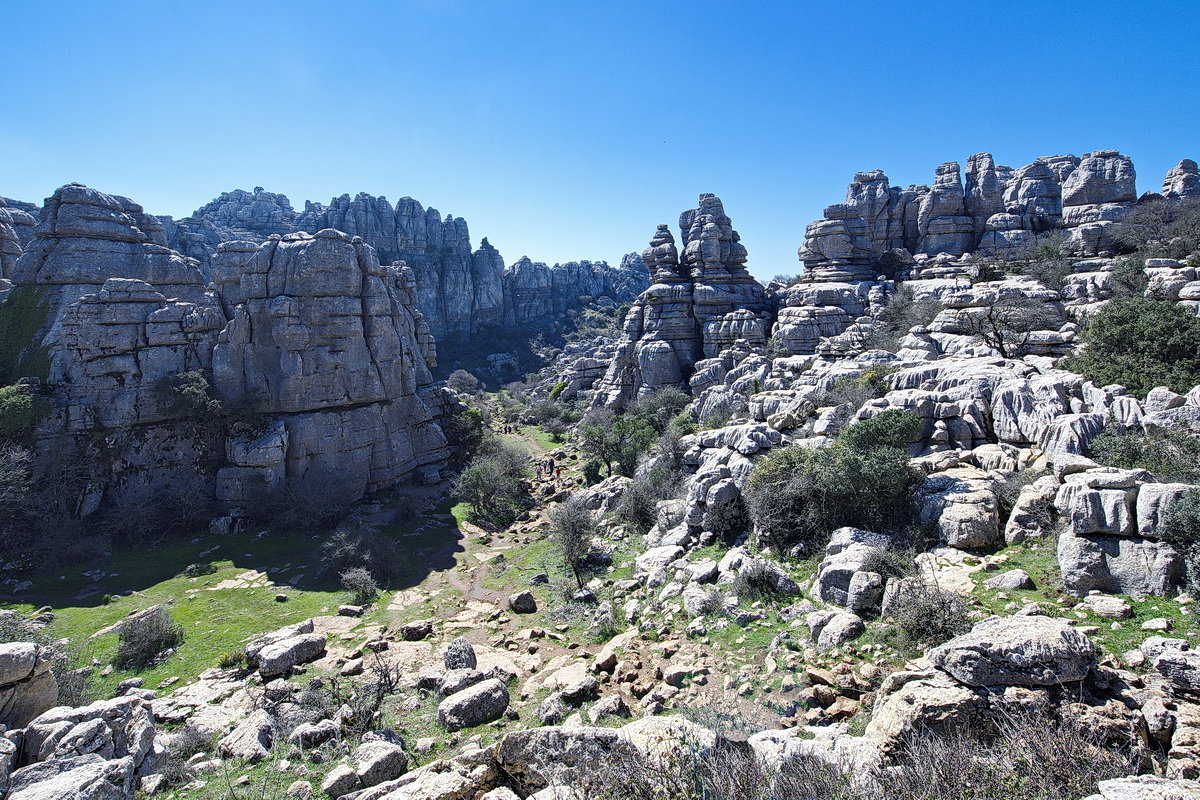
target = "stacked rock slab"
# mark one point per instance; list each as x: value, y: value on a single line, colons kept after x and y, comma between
x: 999, y: 210
x: 309, y: 333
x: 698, y: 303
x: 327, y: 339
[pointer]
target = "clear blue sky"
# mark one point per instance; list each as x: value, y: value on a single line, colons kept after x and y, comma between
x: 566, y: 130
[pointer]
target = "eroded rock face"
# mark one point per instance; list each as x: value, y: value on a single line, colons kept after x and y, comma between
x: 460, y: 292
x: 701, y: 300
x: 999, y: 210
x: 309, y: 333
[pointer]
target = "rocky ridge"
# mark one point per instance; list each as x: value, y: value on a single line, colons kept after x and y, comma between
x: 462, y: 293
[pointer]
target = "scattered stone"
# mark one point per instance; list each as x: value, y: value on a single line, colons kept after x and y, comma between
x: 523, y: 602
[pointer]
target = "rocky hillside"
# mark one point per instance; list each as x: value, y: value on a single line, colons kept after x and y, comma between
x: 922, y: 523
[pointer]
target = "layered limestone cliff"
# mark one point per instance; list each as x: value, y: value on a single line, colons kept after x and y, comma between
x: 461, y: 292
x: 321, y: 349
x: 997, y: 209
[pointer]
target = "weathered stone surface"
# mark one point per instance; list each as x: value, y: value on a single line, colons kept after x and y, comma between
x: 379, y: 761
x: 251, y: 740
x: 483, y: 702
x: 1017, y: 651
x: 700, y: 301
x: 27, y: 687
x: 459, y: 654
x: 278, y: 658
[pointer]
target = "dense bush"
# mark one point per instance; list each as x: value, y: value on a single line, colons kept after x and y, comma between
x: 660, y: 409
x: 22, y: 314
x: 573, y: 528
x: 495, y: 484
x: 1140, y: 343
x: 465, y: 429
x: 462, y: 382
x: 1171, y: 456
x: 796, y: 495
x: 616, y: 438
x: 358, y: 582
x: 142, y: 640
x: 19, y: 412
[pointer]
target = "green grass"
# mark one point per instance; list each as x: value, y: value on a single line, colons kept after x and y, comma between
x: 218, y: 620
x: 544, y: 440
x: 1039, y: 560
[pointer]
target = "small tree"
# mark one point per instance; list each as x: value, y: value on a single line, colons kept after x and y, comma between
x: 619, y: 438
x: 574, y: 529
x: 462, y: 382
x: 494, y: 485
x: 1008, y: 324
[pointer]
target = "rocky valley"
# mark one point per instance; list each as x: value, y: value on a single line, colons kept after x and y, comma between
x: 331, y: 503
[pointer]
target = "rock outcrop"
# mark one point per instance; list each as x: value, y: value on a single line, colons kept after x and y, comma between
x: 999, y: 210
x: 700, y: 302
x: 324, y: 349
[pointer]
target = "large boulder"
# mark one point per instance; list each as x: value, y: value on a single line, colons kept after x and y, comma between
x: 1118, y: 565
x: 27, y: 687
x: 484, y: 702
x: 1017, y: 651
x: 278, y: 658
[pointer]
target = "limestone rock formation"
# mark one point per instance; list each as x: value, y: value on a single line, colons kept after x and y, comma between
x: 309, y: 333
x: 700, y: 302
x: 998, y: 210
x: 460, y: 292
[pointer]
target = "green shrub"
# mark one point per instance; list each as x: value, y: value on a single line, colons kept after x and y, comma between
x: 1181, y: 527
x: 557, y: 390
x: 1140, y: 343
x: 902, y: 312
x: 234, y: 658
x: 19, y: 413
x: 638, y: 506
x: 796, y: 495
x: 591, y: 471
x: 1171, y: 456
x: 143, y: 640
x: 196, y: 570
x: 616, y: 438
x: 659, y: 409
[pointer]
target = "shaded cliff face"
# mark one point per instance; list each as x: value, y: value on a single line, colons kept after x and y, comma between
x: 997, y: 209
x: 700, y: 301
x: 461, y: 292
x: 324, y: 348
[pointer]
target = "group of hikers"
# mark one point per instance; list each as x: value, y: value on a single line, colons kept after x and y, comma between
x: 546, y: 469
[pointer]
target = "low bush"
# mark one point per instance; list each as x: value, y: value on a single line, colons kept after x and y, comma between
x: 19, y: 413
x: 142, y: 640
x: 462, y: 382
x: 902, y: 312
x: 926, y: 616
x: 1171, y: 456
x: 796, y: 496
x: 234, y: 658
x: 360, y: 584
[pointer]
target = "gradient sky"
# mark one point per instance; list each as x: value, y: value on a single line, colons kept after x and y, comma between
x: 568, y: 130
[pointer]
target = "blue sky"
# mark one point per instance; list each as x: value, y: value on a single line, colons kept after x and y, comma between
x: 567, y: 130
